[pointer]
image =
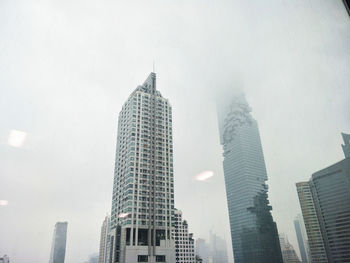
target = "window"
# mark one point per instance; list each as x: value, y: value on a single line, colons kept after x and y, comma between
x: 160, y: 258
x: 142, y: 258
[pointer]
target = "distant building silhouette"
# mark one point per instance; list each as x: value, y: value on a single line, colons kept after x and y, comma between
x: 58, y: 248
x: 346, y: 145
x: 4, y: 259
x: 215, y: 251
x: 303, y: 242
x: 288, y: 253
x: 202, y: 250
x: 253, y: 232
x: 103, y: 240
x: 218, y: 250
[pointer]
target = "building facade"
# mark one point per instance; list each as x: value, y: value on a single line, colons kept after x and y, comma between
x: 143, y: 189
x: 325, y: 204
x: 312, y: 225
x: 103, y: 240
x: 330, y: 189
x: 253, y: 231
x: 303, y: 242
x: 184, y: 242
x: 58, y: 246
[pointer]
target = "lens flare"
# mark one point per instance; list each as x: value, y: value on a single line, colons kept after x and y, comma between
x: 123, y: 215
x: 205, y: 175
x: 16, y: 138
x: 4, y: 202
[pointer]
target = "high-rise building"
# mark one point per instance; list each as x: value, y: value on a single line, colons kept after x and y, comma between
x: 325, y: 204
x: 184, y: 242
x: 103, y: 240
x: 303, y: 242
x: 58, y: 247
x: 312, y: 225
x: 288, y: 253
x: 218, y: 250
x: 346, y: 145
x: 330, y: 189
x: 143, y: 188
x: 253, y: 231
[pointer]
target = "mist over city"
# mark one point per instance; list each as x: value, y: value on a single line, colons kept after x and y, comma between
x: 281, y: 68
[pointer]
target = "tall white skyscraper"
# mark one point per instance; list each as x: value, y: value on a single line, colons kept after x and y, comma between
x: 143, y: 189
x: 58, y: 247
x: 253, y: 231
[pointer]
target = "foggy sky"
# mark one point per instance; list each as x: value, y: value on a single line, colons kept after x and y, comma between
x: 66, y: 68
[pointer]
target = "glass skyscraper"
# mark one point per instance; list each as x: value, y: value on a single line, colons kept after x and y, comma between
x: 253, y: 231
x: 325, y: 203
x: 330, y: 189
x: 143, y: 189
x: 58, y: 247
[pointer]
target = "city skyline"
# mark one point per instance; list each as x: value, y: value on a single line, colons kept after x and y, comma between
x: 68, y: 66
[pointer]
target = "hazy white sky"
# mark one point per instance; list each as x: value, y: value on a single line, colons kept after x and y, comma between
x: 66, y: 68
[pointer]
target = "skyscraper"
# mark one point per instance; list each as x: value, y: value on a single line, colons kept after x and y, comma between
x: 330, y: 189
x: 312, y: 225
x: 325, y: 203
x: 303, y: 242
x: 253, y: 231
x: 346, y: 145
x: 103, y: 240
x: 184, y: 242
x: 58, y: 247
x: 143, y: 188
